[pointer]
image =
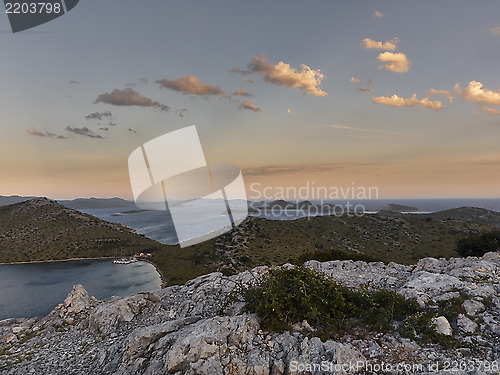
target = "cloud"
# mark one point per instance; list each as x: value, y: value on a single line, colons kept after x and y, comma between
x: 98, y: 115
x: 73, y: 82
x: 377, y: 14
x: 240, y: 92
x: 129, y: 97
x: 431, y: 104
x: 243, y: 72
x: 489, y: 110
x: 83, y: 131
x: 397, y: 101
x: 389, y: 45
x: 273, y: 170
x: 238, y: 70
x: 396, y: 62
x: 249, y: 104
x: 447, y: 94
x: 191, y: 85
x: 476, y: 94
x: 495, y: 31
x: 143, y: 81
x: 360, y: 130
x: 282, y: 74
x: 39, y: 133
x: 182, y: 111
x: 364, y: 89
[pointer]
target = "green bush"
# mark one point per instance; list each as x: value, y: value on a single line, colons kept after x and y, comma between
x: 479, y: 244
x: 325, y: 256
x: 287, y: 296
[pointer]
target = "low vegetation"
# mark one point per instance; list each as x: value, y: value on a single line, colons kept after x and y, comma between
x: 479, y: 244
x: 287, y: 296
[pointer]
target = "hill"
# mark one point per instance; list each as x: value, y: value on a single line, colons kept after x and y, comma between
x: 470, y: 214
x: 90, y: 203
x: 11, y: 199
x: 42, y: 229
x: 397, y: 208
x: 386, y: 236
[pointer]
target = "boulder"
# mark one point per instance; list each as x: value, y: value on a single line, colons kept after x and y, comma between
x: 442, y: 326
x: 78, y: 300
x: 466, y: 325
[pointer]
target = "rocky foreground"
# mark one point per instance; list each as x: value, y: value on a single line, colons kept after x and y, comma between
x: 181, y: 329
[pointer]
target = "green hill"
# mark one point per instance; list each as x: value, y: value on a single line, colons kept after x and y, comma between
x: 42, y: 229
x: 386, y: 236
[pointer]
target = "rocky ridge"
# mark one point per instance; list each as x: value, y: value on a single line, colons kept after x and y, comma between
x: 183, y: 330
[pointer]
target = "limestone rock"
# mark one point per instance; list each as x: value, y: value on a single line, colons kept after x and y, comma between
x: 465, y: 324
x: 443, y: 326
x: 77, y: 300
x: 180, y: 329
x: 472, y: 307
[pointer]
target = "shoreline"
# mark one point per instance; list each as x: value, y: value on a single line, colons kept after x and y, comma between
x: 54, y: 260
x: 162, y: 278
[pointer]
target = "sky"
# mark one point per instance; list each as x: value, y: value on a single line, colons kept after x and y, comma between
x: 399, y: 95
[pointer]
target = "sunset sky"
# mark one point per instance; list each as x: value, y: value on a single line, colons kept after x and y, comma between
x: 401, y: 95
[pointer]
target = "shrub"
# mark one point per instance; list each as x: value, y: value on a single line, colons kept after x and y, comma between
x: 333, y: 254
x: 286, y: 296
x: 479, y: 244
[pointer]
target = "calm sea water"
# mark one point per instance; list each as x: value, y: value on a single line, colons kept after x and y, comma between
x: 28, y: 290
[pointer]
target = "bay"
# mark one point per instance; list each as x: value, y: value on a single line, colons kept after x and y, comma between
x: 34, y: 289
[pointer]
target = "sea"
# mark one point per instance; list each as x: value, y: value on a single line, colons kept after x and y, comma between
x: 34, y: 289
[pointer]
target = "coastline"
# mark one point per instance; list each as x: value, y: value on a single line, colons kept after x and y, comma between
x: 53, y: 260
x: 162, y: 278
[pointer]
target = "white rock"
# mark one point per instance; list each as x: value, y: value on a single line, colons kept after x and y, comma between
x: 442, y: 326
x: 77, y: 300
x: 10, y: 338
x: 17, y: 330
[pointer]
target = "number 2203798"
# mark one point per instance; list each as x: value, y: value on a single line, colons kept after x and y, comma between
x: 32, y: 8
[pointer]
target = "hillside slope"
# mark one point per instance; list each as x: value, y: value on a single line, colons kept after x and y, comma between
x: 386, y: 236
x: 42, y: 229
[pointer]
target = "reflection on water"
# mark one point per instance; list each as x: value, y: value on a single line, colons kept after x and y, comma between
x: 28, y: 290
